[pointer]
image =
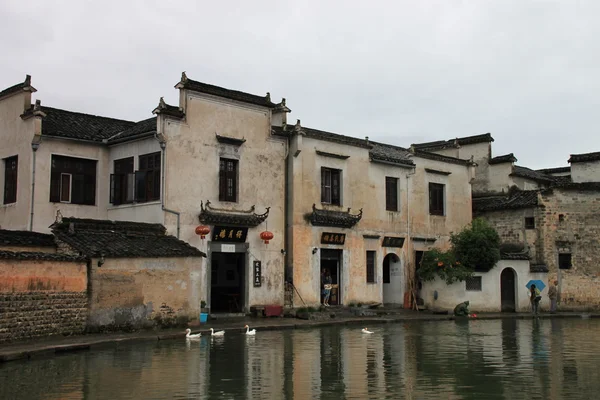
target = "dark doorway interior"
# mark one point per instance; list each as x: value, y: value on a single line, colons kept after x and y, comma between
x: 507, y: 290
x: 331, y: 260
x: 227, y: 282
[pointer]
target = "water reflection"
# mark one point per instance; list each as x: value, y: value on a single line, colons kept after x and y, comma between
x: 500, y: 359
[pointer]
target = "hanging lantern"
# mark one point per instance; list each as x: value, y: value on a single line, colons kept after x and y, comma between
x: 266, y: 236
x: 202, y: 230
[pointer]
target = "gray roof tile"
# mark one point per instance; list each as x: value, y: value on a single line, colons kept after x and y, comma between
x: 517, y: 199
x: 25, y: 238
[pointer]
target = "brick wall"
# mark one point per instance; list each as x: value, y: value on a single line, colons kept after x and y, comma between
x: 41, y: 294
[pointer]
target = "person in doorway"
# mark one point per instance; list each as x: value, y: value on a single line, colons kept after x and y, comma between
x: 462, y: 309
x: 326, y: 282
x: 535, y: 297
x: 553, y: 295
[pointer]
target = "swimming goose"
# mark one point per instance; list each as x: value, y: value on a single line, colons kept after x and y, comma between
x: 188, y: 334
x: 365, y: 330
x: 250, y: 332
x: 219, y: 333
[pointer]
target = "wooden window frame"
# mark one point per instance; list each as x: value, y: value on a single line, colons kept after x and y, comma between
x: 148, y: 178
x: 122, y: 181
x: 371, y: 257
x: 391, y: 193
x: 82, y: 180
x: 228, y: 179
x: 11, y: 175
x: 437, y: 198
x: 331, y: 186
x: 474, y: 284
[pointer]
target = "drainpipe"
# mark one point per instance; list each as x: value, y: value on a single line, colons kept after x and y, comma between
x: 408, y: 241
x: 285, y: 211
x: 163, y: 147
x: 34, y: 146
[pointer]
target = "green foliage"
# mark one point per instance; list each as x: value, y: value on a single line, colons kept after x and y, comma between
x: 475, y: 248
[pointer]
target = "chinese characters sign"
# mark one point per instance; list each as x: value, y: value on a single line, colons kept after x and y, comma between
x: 229, y: 234
x: 333, y: 238
x: 257, y: 273
x: 389, y: 241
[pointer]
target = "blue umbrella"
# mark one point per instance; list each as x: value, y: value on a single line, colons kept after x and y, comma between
x: 538, y: 284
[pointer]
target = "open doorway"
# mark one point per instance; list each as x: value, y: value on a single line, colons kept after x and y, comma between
x: 227, y: 282
x: 393, y: 292
x: 507, y: 290
x: 331, y: 260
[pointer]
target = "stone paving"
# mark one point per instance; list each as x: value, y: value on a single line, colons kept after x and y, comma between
x: 59, y: 344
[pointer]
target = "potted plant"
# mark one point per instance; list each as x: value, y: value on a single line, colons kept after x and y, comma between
x: 203, y: 312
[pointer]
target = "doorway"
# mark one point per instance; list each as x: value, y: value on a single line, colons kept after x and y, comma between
x: 227, y: 282
x: 393, y: 292
x: 331, y: 260
x: 507, y: 290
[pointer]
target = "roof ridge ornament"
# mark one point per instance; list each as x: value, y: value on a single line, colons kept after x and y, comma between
x: 184, y: 77
x: 268, y: 96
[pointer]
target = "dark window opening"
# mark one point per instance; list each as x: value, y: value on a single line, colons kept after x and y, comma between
x: 473, y: 284
x: 228, y: 179
x: 11, y: 166
x: 561, y: 217
x: 121, y: 182
x: 147, y: 178
x: 564, y: 261
x: 391, y: 194
x: 436, y: 199
x: 529, y: 223
x: 330, y: 186
x: 370, y: 266
x: 73, y: 180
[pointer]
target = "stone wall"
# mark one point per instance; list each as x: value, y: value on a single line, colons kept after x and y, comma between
x: 41, y: 297
x: 571, y: 225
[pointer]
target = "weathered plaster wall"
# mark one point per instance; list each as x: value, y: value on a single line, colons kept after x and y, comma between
x: 498, y: 179
x: 488, y: 299
x: 16, y: 136
x: 571, y: 224
x: 192, y: 176
x: 144, y: 292
x: 41, y: 298
x: 585, y: 171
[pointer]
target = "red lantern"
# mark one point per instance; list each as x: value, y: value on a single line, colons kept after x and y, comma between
x: 266, y: 236
x: 202, y: 230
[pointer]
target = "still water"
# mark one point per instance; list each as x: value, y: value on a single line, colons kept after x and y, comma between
x: 497, y: 359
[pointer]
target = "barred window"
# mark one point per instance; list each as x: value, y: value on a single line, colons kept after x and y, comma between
x: 473, y: 284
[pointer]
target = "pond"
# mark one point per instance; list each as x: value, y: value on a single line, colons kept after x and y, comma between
x: 477, y: 359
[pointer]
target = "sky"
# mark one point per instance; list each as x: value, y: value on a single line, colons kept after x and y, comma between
x: 399, y: 72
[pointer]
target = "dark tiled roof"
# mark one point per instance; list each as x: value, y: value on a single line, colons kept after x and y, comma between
x: 503, y: 159
x: 439, y: 157
x: 339, y: 219
x: 517, y: 199
x: 444, y: 144
x: 19, y: 87
x: 578, y: 186
x: 282, y: 130
x: 196, y: 86
x: 514, y: 256
x: 167, y: 109
x: 586, y: 157
x: 216, y: 216
x: 145, y: 128
x: 25, y: 238
x: 557, y: 170
x: 390, y: 154
x: 27, y: 255
x: 79, y: 126
x: 117, y: 239
x: 335, y: 138
x: 528, y: 173
x: 538, y: 268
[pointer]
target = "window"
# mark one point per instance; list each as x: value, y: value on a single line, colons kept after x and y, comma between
x: 11, y: 165
x: 228, y: 178
x: 121, y: 182
x: 330, y: 186
x: 436, y: 199
x: 529, y: 223
x: 147, y: 178
x: 564, y: 261
x: 391, y: 194
x: 473, y: 284
x: 370, y: 266
x: 73, y: 180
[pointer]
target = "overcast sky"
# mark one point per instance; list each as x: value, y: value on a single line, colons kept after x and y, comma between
x: 400, y: 72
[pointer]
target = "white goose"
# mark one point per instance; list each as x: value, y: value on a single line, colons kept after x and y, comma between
x: 188, y: 334
x: 365, y: 330
x: 250, y: 332
x: 219, y: 333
